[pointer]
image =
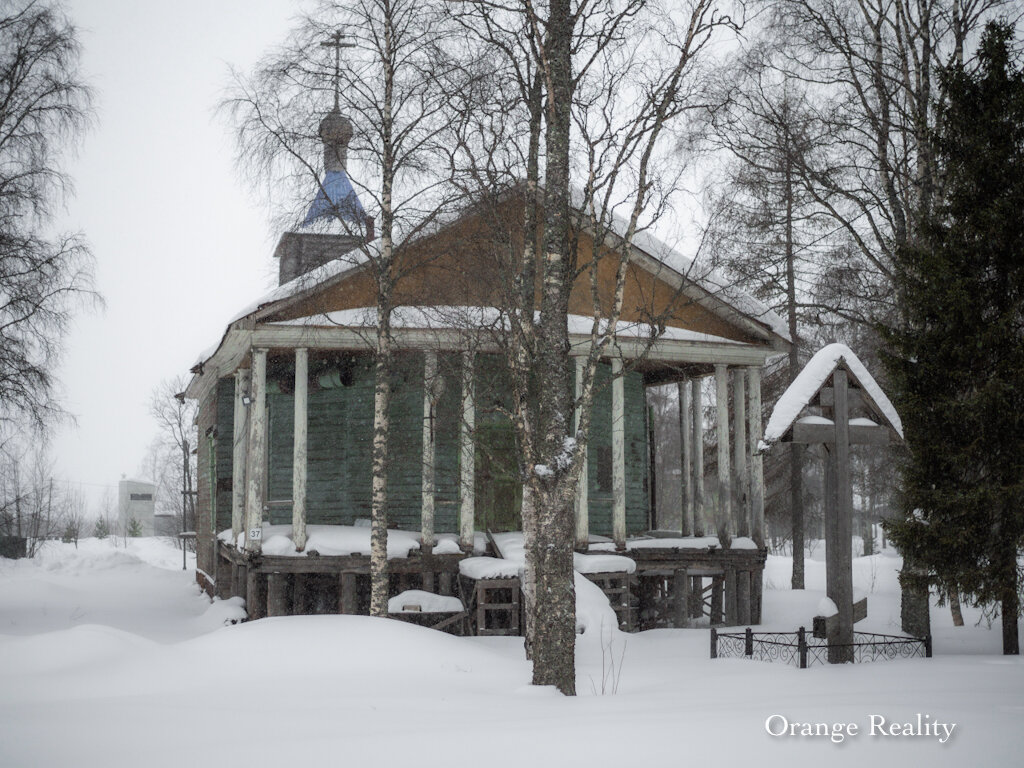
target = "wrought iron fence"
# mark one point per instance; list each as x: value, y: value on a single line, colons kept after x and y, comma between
x: 801, y: 649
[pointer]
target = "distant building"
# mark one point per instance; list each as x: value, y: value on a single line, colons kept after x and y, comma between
x: 137, y: 499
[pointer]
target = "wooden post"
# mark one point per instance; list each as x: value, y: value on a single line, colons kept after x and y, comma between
x: 255, y: 602
x: 716, y: 599
x: 299, y: 449
x: 756, y: 460
x: 347, y: 593
x: 756, y: 593
x: 731, y: 612
x: 839, y: 565
x: 686, y: 457
x: 277, y: 594
x: 741, y: 480
x: 724, y: 515
x: 300, y: 590
x: 618, y: 455
x: 697, y: 405
x: 430, y: 385
x: 237, y: 581
x: 743, y: 612
x: 681, y: 597
x: 467, y: 453
x: 255, y: 466
x: 240, y: 440
x: 583, y: 490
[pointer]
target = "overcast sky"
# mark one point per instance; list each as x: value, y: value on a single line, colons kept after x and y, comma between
x: 181, y: 244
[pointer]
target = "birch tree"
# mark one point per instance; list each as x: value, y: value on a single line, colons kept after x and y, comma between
x: 382, y: 74
x: 44, y: 276
x: 869, y: 65
x: 597, y: 86
x: 767, y: 228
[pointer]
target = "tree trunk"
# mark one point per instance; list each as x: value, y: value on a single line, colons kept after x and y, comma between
x: 796, y: 451
x: 1010, y: 602
x: 954, y: 609
x: 550, y: 553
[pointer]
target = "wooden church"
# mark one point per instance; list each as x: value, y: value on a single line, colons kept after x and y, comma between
x: 286, y: 420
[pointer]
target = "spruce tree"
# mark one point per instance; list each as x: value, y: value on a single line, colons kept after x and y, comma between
x: 956, y: 361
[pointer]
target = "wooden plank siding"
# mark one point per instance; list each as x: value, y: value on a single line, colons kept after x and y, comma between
x: 340, y: 435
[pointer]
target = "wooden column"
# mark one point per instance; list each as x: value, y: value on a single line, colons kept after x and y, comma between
x: 299, y: 449
x: 697, y: 405
x: 618, y: 455
x: 839, y: 526
x: 685, y: 457
x: 741, y: 512
x: 724, y: 515
x: 427, y: 478
x: 756, y: 460
x: 240, y: 440
x: 583, y: 490
x: 467, y: 453
x: 255, y: 466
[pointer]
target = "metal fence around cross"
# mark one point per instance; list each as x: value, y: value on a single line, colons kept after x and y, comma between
x: 801, y: 650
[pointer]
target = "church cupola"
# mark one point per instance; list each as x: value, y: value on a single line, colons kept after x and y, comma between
x: 335, y: 222
x: 335, y: 133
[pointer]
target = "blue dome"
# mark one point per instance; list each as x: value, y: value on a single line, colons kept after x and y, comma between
x: 336, y: 199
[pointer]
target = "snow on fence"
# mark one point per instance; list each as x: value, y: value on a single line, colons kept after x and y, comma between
x: 799, y: 648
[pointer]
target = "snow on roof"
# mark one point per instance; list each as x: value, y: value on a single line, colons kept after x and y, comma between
x: 311, y: 279
x: 811, y: 379
x: 707, y: 278
x: 482, y: 317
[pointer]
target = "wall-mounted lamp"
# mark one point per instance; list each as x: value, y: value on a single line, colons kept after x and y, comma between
x: 246, y: 400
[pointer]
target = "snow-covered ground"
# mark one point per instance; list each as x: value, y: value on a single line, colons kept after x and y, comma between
x: 110, y: 656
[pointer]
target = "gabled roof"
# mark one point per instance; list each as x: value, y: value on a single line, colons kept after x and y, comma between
x: 809, y: 383
x: 700, y: 286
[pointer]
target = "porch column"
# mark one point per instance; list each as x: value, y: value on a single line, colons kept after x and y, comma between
x: 697, y: 446
x: 618, y: 455
x: 255, y: 459
x: 299, y: 449
x: 741, y: 484
x: 756, y: 460
x: 467, y: 482
x: 427, y: 478
x: 685, y: 458
x: 239, y: 441
x: 583, y: 489
x: 724, y: 476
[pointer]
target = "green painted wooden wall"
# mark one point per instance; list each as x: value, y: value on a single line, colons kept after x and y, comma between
x: 340, y: 440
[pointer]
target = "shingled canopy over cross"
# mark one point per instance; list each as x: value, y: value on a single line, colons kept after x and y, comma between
x: 837, y: 385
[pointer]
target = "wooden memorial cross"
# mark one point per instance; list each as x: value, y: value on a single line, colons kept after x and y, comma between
x: 836, y: 384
